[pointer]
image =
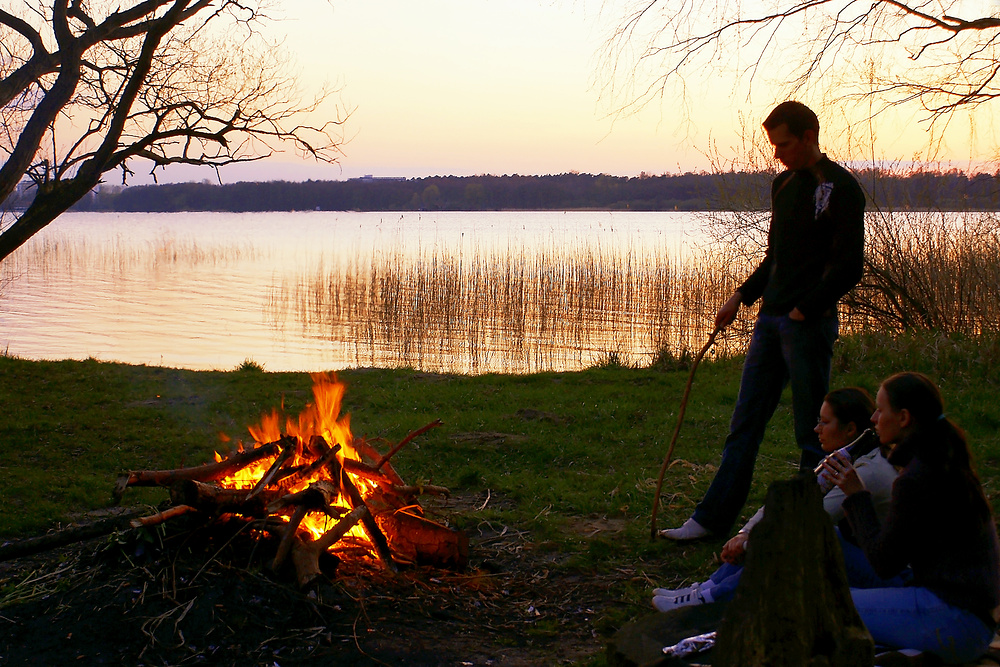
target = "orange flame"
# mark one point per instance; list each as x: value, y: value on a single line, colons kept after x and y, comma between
x: 320, y: 418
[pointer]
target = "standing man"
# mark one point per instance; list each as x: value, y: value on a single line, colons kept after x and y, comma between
x: 814, y: 256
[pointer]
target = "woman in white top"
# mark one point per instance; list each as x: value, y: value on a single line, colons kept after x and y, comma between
x: 843, y: 417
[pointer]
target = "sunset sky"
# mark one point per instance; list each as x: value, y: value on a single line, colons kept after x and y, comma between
x: 443, y: 87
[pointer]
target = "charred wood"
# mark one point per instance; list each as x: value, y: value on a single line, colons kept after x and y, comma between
x: 68, y: 535
x: 214, y: 500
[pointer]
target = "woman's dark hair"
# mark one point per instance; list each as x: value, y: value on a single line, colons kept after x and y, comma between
x: 933, y: 438
x: 854, y: 405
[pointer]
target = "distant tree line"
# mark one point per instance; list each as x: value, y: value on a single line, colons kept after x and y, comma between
x: 920, y: 190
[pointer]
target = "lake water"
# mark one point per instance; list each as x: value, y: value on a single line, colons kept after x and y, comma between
x: 310, y: 291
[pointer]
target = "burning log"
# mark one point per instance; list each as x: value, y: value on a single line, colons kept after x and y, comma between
x: 306, y: 553
x: 328, y: 458
x: 206, y: 473
x: 214, y: 500
x: 374, y: 532
x: 320, y: 496
x: 279, y: 461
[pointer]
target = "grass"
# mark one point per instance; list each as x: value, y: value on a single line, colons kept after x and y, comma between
x: 559, y: 448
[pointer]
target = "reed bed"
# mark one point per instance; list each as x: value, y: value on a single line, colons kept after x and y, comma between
x: 119, y: 256
x: 509, y: 310
x: 521, y: 310
x: 929, y: 271
x: 925, y: 271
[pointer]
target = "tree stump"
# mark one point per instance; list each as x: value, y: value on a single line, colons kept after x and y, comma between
x: 793, y: 606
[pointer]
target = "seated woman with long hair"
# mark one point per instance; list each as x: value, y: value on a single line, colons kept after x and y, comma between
x: 939, y: 524
x: 843, y: 417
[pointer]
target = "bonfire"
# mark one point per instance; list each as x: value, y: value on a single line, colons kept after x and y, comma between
x: 310, y: 482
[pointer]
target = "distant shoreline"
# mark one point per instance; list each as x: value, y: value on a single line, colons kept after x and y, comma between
x: 734, y: 191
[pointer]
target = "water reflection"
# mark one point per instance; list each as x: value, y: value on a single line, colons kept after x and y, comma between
x: 456, y: 292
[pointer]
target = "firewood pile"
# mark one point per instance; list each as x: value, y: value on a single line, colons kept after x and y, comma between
x: 315, y: 487
x: 391, y: 521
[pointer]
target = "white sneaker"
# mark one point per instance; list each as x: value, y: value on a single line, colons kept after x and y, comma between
x: 690, y: 598
x: 672, y: 592
x: 691, y: 530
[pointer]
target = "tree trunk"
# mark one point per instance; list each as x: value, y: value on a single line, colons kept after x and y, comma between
x: 793, y: 605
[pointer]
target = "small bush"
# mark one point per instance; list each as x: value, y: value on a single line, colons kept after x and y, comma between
x: 250, y: 366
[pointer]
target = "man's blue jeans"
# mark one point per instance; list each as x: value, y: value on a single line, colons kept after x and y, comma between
x: 781, y: 351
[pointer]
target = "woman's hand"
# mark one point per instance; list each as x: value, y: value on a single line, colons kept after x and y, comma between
x: 843, y: 474
x: 735, y: 549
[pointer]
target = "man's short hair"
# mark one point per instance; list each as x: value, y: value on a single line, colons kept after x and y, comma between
x: 797, y: 116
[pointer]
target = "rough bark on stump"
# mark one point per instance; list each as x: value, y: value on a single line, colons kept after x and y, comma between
x: 793, y: 605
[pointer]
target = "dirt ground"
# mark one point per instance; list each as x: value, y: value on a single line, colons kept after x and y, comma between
x: 204, y: 596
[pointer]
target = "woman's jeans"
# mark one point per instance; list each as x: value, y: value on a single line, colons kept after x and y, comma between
x: 916, y: 618
x: 896, y: 615
x: 859, y: 573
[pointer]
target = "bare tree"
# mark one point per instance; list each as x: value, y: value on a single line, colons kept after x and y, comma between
x: 89, y: 88
x: 884, y: 52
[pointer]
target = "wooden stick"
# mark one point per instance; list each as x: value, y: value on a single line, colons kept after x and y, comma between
x: 421, y: 489
x: 319, y: 495
x: 286, y: 453
x: 332, y: 536
x: 161, y: 517
x: 289, y: 535
x: 309, y: 470
x: 371, y: 527
x: 370, y: 455
x: 205, y: 473
x: 212, y: 499
x: 677, y: 429
x: 306, y: 553
x: 365, y: 471
x: 68, y: 535
x: 404, y: 441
